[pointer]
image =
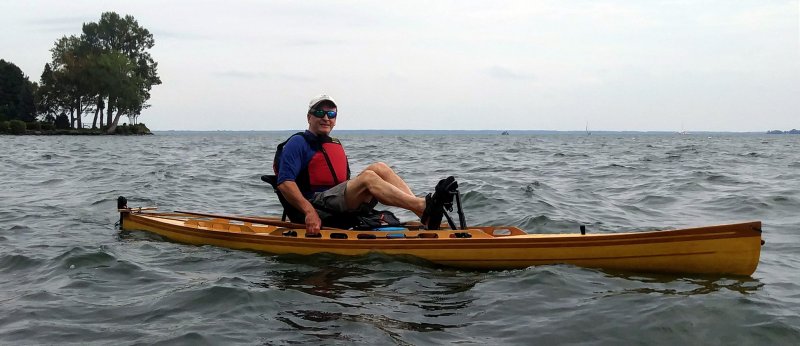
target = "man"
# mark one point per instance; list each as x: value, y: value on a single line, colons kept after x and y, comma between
x: 313, y: 173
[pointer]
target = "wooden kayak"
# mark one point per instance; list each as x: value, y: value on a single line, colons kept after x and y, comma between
x: 732, y: 249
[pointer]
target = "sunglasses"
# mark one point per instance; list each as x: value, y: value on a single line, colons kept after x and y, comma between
x: 320, y: 114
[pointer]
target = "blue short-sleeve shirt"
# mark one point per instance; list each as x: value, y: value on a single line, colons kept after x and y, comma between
x: 296, y: 155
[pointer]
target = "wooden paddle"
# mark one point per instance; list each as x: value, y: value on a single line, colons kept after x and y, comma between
x: 262, y: 220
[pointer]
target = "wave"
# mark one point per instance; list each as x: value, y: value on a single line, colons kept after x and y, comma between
x: 15, y: 262
x: 81, y: 257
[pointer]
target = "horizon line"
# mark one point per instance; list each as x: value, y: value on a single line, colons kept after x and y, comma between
x: 490, y: 131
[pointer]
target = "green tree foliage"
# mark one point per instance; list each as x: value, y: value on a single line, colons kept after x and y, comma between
x: 16, y: 94
x: 47, y: 102
x: 108, y: 68
x: 69, y: 80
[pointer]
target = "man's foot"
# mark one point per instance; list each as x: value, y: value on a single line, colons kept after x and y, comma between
x: 434, y: 204
x: 432, y: 216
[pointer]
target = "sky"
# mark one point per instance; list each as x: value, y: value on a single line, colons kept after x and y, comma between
x: 450, y: 65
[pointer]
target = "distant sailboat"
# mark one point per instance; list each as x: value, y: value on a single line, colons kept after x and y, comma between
x: 587, y: 129
x: 683, y: 132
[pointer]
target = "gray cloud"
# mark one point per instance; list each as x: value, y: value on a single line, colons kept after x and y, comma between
x: 312, y: 42
x: 263, y: 75
x: 179, y: 35
x: 60, y: 24
x: 500, y: 72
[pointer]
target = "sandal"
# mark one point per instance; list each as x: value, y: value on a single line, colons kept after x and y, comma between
x: 435, y: 204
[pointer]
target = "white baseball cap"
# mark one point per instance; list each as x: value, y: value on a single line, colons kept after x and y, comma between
x: 316, y: 100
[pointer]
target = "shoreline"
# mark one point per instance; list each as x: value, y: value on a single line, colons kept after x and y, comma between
x: 47, y: 129
x: 73, y: 133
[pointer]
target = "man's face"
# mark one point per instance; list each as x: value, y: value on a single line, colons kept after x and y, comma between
x: 324, y: 125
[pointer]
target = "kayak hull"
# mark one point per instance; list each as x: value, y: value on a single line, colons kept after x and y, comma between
x: 725, y: 249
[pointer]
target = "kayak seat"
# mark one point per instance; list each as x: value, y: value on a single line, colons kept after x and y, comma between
x: 289, y: 211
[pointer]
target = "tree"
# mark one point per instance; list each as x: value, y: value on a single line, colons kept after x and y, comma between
x: 108, y: 68
x: 46, y: 100
x: 117, y: 77
x: 67, y: 86
x: 16, y: 94
x: 62, y: 121
x: 121, y: 46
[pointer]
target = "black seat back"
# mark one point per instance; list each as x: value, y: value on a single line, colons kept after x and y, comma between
x: 294, y: 215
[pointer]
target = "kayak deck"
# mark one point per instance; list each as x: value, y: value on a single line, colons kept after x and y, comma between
x: 724, y: 249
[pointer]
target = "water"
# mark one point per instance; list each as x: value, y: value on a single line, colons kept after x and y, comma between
x: 67, y: 275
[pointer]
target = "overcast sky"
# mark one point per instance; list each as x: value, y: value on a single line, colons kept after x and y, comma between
x: 504, y: 65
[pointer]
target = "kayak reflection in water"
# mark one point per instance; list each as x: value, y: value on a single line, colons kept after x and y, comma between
x: 313, y: 175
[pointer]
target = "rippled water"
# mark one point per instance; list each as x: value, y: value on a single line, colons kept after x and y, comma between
x: 67, y: 275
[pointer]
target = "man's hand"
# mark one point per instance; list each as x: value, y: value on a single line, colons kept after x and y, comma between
x: 313, y: 223
x: 292, y: 193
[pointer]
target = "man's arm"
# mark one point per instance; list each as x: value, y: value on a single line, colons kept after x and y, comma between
x: 293, y: 195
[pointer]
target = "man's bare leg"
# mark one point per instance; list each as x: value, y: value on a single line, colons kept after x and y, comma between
x: 387, y: 174
x: 369, y: 184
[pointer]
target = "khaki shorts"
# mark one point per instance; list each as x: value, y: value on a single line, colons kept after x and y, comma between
x: 332, y: 200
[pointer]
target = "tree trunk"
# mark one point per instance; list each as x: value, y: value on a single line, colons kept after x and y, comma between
x: 100, y: 109
x: 97, y: 113
x: 71, y: 118
x: 110, y: 107
x: 80, y: 113
x: 113, y: 125
x: 94, y: 122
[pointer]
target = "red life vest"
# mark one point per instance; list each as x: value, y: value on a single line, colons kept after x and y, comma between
x: 327, y: 172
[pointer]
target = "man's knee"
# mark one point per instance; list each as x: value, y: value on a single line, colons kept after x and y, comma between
x: 379, y: 167
x: 359, y: 187
x: 368, y: 177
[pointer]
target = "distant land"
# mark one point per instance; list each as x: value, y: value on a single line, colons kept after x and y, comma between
x: 779, y: 132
